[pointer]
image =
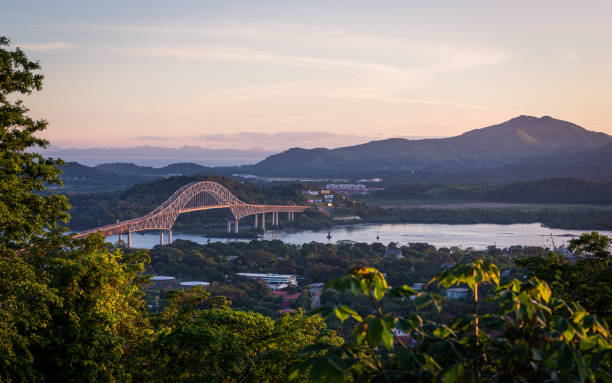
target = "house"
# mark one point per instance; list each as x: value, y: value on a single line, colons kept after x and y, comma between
x: 396, y: 253
x: 418, y: 286
x: 316, y: 289
x: 274, y: 281
x: 457, y: 293
x: 286, y: 298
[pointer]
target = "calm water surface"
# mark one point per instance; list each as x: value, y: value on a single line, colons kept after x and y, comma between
x: 478, y: 236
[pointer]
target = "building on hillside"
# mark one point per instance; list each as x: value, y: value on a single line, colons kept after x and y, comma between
x: 457, y: 293
x: 163, y: 282
x: 418, y: 286
x: 347, y: 188
x: 396, y: 253
x: 274, y: 281
x: 191, y: 284
x: 316, y: 289
x: 310, y: 192
x: 286, y: 298
x: 370, y: 180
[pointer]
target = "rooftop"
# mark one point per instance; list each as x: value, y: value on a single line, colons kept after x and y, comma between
x: 194, y: 283
x: 268, y: 275
x: 159, y: 278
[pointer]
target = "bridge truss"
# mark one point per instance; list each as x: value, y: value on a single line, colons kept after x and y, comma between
x: 195, y: 196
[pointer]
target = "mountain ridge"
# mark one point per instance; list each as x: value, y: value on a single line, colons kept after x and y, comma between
x: 519, y: 138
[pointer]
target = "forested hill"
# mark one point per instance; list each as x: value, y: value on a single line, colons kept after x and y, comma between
x: 520, y: 138
x: 95, y: 209
x: 547, y: 191
x: 181, y: 168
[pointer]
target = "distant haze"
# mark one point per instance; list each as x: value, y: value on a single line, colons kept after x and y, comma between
x: 220, y: 74
x: 157, y: 156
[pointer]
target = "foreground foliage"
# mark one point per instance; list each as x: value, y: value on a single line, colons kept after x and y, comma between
x: 534, y: 335
x: 24, y: 214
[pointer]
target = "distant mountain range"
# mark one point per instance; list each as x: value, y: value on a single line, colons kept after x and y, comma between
x: 524, y: 147
x: 156, y: 156
x: 521, y: 149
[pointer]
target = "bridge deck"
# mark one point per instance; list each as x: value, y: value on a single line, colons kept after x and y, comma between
x: 139, y: 224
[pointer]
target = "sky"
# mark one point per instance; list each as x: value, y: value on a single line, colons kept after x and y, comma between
x: 278, y: 74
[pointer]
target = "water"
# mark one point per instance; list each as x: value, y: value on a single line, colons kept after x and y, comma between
x: 477, y: 236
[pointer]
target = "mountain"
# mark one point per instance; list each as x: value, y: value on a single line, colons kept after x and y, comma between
x: 182, y: 168
x: 77, y: 176
x: 520, y: 138
x: 592, y: 164
x: 156, y: 156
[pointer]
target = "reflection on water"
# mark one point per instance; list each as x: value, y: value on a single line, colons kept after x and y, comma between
x: 477, y: 236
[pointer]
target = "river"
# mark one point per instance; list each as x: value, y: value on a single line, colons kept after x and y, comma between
x: 477, y: 236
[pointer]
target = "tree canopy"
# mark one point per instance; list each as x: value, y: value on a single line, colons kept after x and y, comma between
x: 24, y: 214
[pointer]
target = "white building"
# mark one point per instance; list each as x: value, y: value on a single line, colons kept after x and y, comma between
x: 274, y: 281
x: 418, y: 286
x: 457, y: 292
x: 347, y: 188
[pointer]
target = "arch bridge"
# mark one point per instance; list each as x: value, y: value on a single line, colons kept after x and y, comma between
x: 195, y: 196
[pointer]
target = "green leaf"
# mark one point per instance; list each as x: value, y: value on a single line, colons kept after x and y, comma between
x: 379, y: 332
x: 344, y: 312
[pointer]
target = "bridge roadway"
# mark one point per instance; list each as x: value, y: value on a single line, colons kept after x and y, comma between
x: 195, y: 196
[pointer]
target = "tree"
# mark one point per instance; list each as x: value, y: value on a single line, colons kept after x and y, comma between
x: 532, y: 336
x: 25, y: 301
x: 201, y: 339
x: 587, y: 281
x: 24, y: 213
x: 73, y: 313
x: 591, y: 245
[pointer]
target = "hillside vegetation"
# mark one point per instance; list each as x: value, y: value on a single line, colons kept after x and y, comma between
x: 548, y: 190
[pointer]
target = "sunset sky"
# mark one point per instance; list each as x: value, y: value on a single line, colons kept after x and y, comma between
x: 278, y: 74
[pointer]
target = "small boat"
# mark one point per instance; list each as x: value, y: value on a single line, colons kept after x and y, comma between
x: 329, y: 235
x: 378, y: 235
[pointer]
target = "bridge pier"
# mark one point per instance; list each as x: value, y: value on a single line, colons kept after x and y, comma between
x: 229, y: 226
x: 256, y: 219
x: 236, y: 226
x: 129, y: 235
x: 170, y: 237
x: 120, y: 237
x: 263, y: 221
x: 161, y: 237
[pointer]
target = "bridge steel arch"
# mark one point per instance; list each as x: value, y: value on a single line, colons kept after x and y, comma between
x: 195, y: 196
